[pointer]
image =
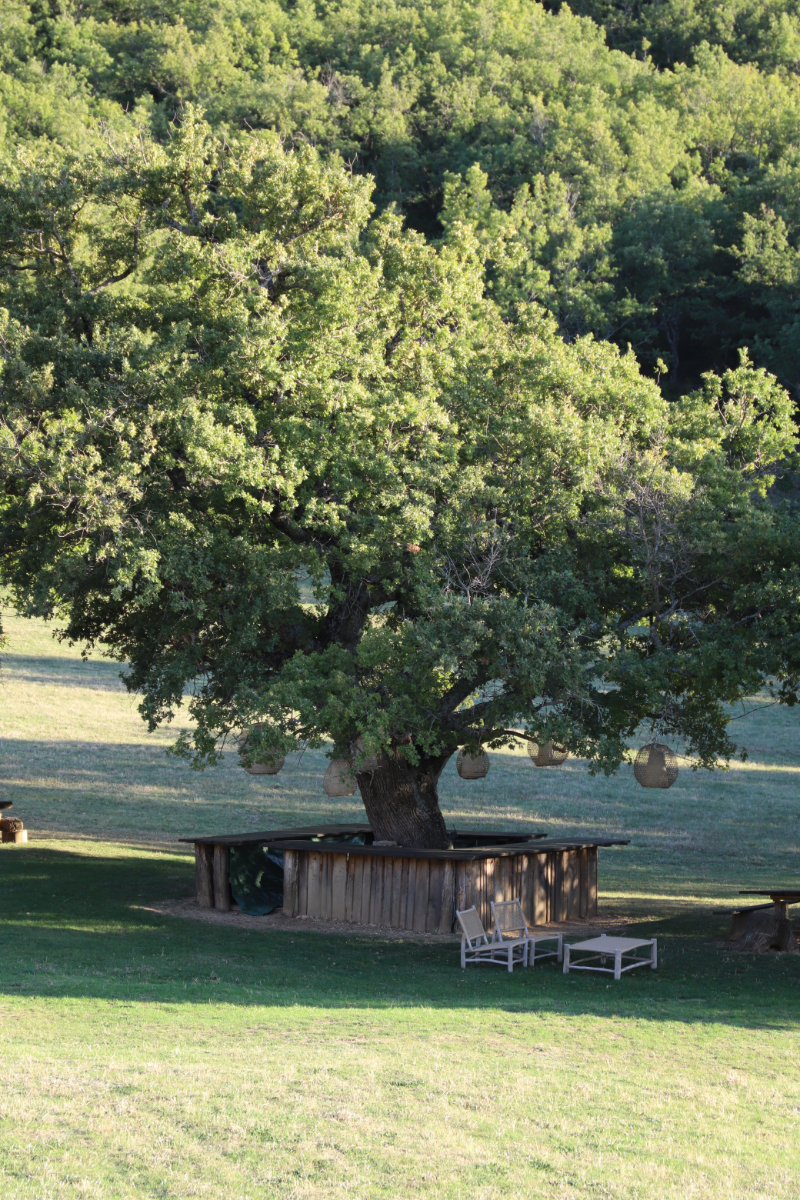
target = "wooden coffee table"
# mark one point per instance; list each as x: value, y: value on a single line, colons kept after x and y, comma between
x: 618, y: 948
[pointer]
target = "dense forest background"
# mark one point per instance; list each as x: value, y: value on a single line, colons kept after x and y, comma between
x: 635, y: 168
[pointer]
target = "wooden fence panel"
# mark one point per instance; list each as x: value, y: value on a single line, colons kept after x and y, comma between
x: 204, y: 874
x: 417, y: 893
x: 542, y: 889
x: 421, y: 895
x: 376, y: 892
x: 487, y: 892
x: 366, y: 888
x: 434, y: 913
x: 396, y: 892
x: 461, y: 886
x: 302, y: 886
x: 314, y: 900
x: 524, y: 889
x: 338, y: 886
x: 358, y: 887
x: 447, y: 910
x: 412, y: 887
x: 572, y: 885
x: 222, y: 880
x: 326, y: 887
x: 290, y: 865
x: 348, y: 892
x: 584, y: 884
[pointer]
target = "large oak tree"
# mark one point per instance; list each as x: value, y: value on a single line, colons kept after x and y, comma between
x: 287, y: 456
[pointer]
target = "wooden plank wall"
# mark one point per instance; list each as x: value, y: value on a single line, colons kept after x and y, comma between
x: 403, y: 893
x: 422, y: 894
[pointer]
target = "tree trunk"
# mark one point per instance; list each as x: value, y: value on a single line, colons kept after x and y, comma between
x: 402, y: 802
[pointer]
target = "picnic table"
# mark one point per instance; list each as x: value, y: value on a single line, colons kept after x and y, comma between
x: 780, y: 897
x: 765, y: 926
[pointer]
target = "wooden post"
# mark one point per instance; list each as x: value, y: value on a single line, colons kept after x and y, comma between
x: 447, y: 913
x: 290, y: 858
x: 592, y: 868
x: 461, y: 888
x: 584, y: 884
x: 222, y: 880
x: 204, y: 874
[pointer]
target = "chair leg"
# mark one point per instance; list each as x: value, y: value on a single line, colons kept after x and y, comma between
x: 463, y: 957
x: 510, y: 957
x: 654, y: 954
x: 566, y: 960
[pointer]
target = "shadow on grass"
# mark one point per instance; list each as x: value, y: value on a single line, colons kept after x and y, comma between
x: 71, y: 928
x: 66, y: 672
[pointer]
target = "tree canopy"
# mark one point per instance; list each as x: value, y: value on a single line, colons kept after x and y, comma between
x: 274, y: 446
x: 646, y: 155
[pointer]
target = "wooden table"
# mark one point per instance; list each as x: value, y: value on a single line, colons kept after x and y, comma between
x: 780, y: 897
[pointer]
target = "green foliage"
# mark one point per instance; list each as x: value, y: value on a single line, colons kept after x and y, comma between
x: 226, y: 382
x: 628, y: 182
x: 764, y: 32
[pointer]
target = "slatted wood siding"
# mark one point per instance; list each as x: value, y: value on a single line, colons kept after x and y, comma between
x: 421, y: 895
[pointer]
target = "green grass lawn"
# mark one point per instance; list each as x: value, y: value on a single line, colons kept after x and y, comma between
x: 150, y: 1056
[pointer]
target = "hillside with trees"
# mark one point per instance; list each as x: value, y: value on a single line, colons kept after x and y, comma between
x: 635, y: 169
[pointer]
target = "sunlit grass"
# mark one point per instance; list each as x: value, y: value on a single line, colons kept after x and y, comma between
x: 145, y: 1056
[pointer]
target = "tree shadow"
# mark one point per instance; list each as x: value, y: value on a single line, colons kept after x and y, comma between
x: 65, y: 672
x: 74, y: 925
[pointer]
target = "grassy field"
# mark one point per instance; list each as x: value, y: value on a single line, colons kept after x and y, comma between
x: 147, y: 1056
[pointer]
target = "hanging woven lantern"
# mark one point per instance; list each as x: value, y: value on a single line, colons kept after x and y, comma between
x: 339, y: 779
x: 271, y: 767
x: 370, y: 763
x: 655, y: 766
x: 547, y: 754
x: 472, y: 767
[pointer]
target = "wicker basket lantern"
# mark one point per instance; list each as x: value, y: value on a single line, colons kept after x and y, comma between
x: 655, y: 766
x: 547, y: 754
x: 472, y: 767
x: 370, y: 762
x: 339, y: 779
x: 271, y: 767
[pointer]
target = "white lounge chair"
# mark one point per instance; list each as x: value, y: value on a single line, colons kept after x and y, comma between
x: 510, y: 923
x: 476, y: 945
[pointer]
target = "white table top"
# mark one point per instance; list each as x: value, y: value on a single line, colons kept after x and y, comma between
x: 606, y: 944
